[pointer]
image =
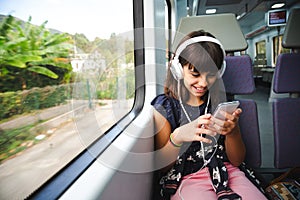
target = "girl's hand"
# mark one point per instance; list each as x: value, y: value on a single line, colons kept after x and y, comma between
x: 225, y: 127
x: 193, y: 130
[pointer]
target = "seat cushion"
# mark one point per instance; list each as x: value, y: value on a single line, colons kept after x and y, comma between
x: 286, y: 115
x: 249, y: 127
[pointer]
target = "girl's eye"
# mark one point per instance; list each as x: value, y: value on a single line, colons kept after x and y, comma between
x: 195, y: 74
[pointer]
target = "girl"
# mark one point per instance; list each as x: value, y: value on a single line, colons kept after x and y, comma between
x: 200, y: 153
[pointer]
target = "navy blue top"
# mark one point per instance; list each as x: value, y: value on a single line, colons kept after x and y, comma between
x: 170, y: 108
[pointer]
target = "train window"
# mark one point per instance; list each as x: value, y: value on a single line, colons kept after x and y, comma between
x: 260, y: 58
x: 261, y: 48
x: 278, y: 48
x: 67, y: 77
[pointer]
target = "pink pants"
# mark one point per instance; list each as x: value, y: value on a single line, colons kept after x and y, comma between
x: 199, y: 186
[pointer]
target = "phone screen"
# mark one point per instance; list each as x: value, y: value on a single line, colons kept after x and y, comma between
x: 228, y: 107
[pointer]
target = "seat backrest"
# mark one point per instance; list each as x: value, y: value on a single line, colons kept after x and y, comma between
x: 286, y: 111
x: 238, y: 80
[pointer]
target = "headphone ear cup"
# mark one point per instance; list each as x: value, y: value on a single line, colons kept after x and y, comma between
x: 176, y: 69
x: 222, y: 70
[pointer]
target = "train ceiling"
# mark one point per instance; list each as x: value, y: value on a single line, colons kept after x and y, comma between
x: 258, y: 8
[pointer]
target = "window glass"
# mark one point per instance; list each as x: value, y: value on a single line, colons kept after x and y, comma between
x: 67, y: 76
x: 260, y: 58
x: 278, y: 48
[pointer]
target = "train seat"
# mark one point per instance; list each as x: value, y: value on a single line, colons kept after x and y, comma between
x: 286, y: 111
x: 238, y: 80
x: 286, y: 115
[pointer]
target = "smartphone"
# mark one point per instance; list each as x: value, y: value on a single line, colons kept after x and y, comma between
x: 228, y: 107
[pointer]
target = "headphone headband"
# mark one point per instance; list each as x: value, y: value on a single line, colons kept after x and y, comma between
x: 176, y: 67
x: 198, y: 39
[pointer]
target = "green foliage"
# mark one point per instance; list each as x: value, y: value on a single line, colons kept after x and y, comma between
x: 109, y: 93
x: 130, y: 84
x: 14, y: 141
x: 28, y: 51
x: 82, y: 43
x: 108, y: 84
x: 13, y: 103
x: 9, y: 104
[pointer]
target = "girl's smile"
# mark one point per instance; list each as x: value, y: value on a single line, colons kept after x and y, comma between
x: 199, y: 90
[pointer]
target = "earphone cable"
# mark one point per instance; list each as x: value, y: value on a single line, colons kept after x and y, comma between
x: 205, y: 162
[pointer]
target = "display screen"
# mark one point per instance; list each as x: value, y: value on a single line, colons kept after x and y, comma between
x: 277, y: 17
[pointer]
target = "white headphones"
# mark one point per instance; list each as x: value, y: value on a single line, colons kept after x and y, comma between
x: 176, y: 67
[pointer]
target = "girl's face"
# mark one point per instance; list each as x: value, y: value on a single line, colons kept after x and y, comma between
x: 197, y: 83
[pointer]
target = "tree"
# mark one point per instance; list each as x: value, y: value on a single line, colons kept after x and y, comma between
x: 29, y: 53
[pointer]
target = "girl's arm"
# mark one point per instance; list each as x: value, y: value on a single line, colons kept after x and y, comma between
x: 167, y: 150
x: 166, y: 153
x: 235, y: 147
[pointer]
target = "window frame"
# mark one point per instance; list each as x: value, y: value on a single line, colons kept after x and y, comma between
x: 63, y: 179
x: 258, y: 46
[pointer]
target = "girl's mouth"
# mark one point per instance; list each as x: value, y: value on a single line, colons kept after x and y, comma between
x: 199, y: 89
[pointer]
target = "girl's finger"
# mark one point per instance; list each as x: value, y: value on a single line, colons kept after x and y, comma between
x: 237, y: 112
x: 202, y: 139
x: 206, y: 131
x: 206, y: 116
x: 215, y: 121
x: 204, y: 120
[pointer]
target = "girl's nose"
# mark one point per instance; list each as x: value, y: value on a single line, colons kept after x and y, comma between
x: 202, y: 81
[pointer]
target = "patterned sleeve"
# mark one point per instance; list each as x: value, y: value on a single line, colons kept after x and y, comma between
x: 168, y: 108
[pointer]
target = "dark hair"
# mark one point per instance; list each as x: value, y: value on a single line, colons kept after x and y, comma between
x: 204, y: 56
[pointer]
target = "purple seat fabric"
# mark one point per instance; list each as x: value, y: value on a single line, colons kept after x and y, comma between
x: 286, y: 112
x: 238, y: 80
x: 287, y: 73
x: 286, y: 120
x: 249, y: 127
x: 238, y: 76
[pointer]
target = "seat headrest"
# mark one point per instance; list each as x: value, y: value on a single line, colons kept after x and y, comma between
x: 287, y: 73
x: 224, y: 27
x: 292, y: 30
x: 238, y: 77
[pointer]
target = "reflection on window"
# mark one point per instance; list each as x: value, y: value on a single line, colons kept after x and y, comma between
x: 61, y: 87
x: 278, y: 48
